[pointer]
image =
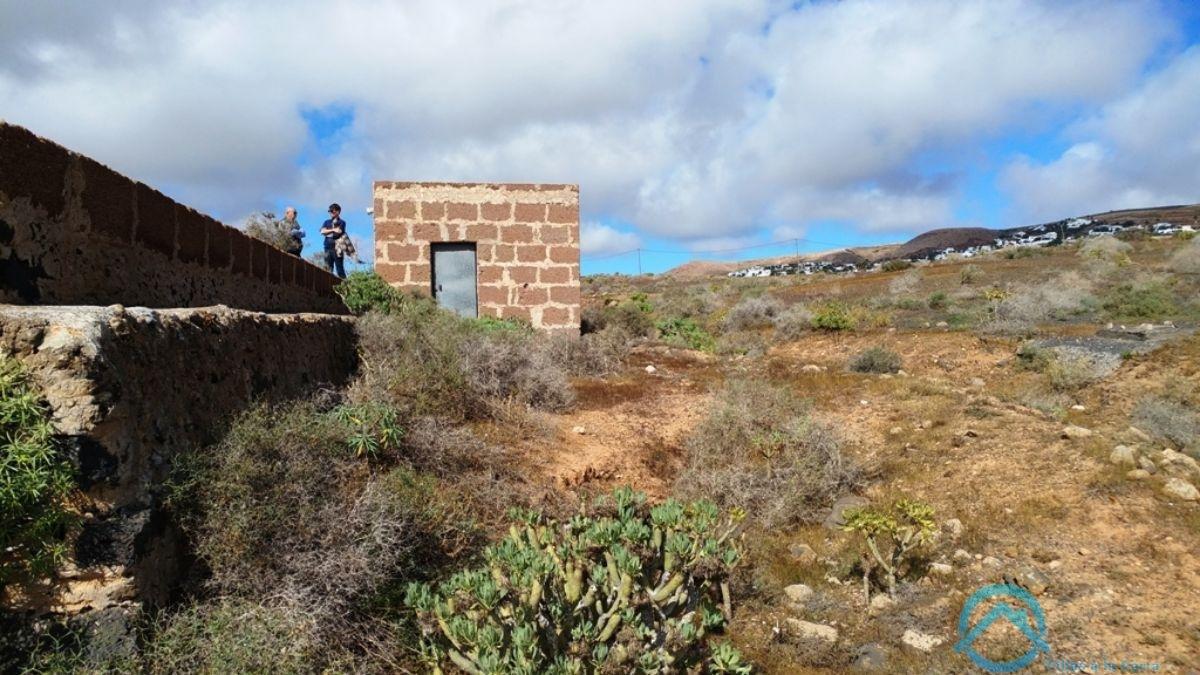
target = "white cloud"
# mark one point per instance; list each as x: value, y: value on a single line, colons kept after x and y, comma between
x: 600, y: 239
x: 1143, y: 149
x: 696, y: 120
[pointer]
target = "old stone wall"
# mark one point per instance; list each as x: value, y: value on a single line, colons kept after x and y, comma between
x: 74, y: 232
x: 130, y: 389
x: 526, y: 242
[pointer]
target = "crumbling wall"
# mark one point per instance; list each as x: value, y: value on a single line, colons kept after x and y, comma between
x: 526, y: 241
x: 130, y: 389
x: 74, y: 232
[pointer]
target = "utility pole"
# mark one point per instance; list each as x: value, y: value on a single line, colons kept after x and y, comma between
x: 796, y: 248
x: 639, y: 252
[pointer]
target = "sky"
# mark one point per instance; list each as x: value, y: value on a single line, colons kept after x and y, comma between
x: 694, y: 128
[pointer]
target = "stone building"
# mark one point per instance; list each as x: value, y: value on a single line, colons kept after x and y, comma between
x: 484, y: 249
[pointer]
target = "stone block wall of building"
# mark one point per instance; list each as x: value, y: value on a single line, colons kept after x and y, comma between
x: 526, y: 240
x: 74, y: 232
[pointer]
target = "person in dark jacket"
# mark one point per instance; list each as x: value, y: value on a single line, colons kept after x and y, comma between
x: 332, y: 230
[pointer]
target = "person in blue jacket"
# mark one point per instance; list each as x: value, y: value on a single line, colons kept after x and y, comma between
x: 332, y: 230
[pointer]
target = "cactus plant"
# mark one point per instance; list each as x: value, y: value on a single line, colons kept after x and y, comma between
x: 620, y: 587
x: 890, y: 536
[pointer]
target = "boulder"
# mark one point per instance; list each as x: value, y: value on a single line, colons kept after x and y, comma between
x: 837, y: 514
x: 870, y: 657
x: 920, y: 641
x: 1180, y: 488
x: 880, y: 604
x: 798, y: 593
x: 1074, y: 433
x: 803, y: 553
x: 953, y: 528
x: 807, y: 630
x: 1122, y: 455
x: 941, y: 569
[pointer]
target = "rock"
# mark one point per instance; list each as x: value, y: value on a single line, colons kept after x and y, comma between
x: 962, y: 557
x: 941, y: 324
x: 1054, y: 564
x: 811, y: 631
x: 1178, y: 487
x: 1147, y: 464
x: 811, y: 368
x: 1073, y: 432
x: 953, y: 528
x: 836, y: 518
x: 803, y: 553
x: 1122, y: 455
x: 895, y: 431
x: 864, y: 402
x: 880, y: 604
x: 1137, y: 474
x: 1139, y: 434
x: 651, y: 369
x: 579, y: 430
x: 1179, y: 463
x: 992, y: 561
x: 977, y: 382
x: 1030, y: 579
x: 901, y: 373
x: 1078, y: 408
x: 870, y: 657
x: 798, y: 593
x: 926, y: 424
x: 920, y: 641
x: 941, y: 569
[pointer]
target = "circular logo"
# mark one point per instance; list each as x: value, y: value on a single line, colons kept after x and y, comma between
x: 1028, y: 619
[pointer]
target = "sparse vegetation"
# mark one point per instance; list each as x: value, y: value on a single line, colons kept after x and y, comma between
x: 833, y: 316
x: 685, y: 333
x: 793, y: 322
x: 754, y: 312
x: 876, y: 360
x: 265, y: 227
x: 1168, y: 419
x: 969, y: 274
x: 1141, y: 300
x: 35, y: 479
x: 891, y: 537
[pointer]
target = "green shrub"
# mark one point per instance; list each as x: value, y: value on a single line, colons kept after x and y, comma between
x: 969, y: 274
x: 876, y: 360
x: 758, y: 449
x: 833, y: 316
x: 35, y: 479
x: 896, y: 265
x: 685, y: 333
x: 366, y: 292
x: 621, y: 587
x: 1145, y: 300
x: 891, y: 537
x: 909, y: 304
x: 938, y: 301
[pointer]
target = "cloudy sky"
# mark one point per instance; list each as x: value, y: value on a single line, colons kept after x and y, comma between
x: 694, y: 125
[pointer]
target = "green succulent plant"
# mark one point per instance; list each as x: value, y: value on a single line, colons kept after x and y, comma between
x: 891, y: 537
x: 372, y: 427
x: 620, y: 587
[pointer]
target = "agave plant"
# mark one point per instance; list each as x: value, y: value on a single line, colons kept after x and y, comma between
x: 620, y: 587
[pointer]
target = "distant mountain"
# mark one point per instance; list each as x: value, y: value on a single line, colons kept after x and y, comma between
x: 958, y: 238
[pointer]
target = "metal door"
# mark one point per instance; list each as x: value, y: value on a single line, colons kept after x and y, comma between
x: 454, y: 277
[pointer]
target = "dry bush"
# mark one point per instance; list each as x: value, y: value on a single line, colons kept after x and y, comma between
x: 742, y: 343
x: 1167, y: 418
x: 592, y: 354
x: 264, y: 227
x: 1024, y: 307
x: 283, y: 510
x: 760, y: 450
x: 792, y: 323
x: 1109, y: 248
x: 427, y: 361
x: 906, y: 283
x: 1187, y: 259
x: 876, y: 360
x: 755, y: 312
x: 969, y: 274
x: 689, y: 302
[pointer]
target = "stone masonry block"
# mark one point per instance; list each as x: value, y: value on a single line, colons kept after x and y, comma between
x: 193, y: 235
x: 33, y: 167
x: 563, y: 213
x: 155, y: 220
x: 107, y: 198
x: 496, y: 211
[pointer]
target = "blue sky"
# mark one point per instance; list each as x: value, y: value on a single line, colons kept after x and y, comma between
x: 690, y: 125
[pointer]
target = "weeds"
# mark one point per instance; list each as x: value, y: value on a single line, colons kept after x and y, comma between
x: 792, y: 323
x: 876, y: 360
x: 757, y: 312
x: 833, y: 316
x: 685, y: 333
x: 1141, y: 300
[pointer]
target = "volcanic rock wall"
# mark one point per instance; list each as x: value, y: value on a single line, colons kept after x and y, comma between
x: 74, y: 232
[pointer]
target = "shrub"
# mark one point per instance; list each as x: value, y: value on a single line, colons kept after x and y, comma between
x: 753, y: 313
x: 938, y: 301
x: 969, y: 274
x: 833, y: 316
x: 1142, y: 300
x: 1020, y: 309
x: 792, y: 322
x: 35, y: 479
x: 1068, y: 371
x: 758, y: 449
x: 909, y: 304
x: 905, y: 283
x: 621, y: 587
x: 1106, y: 248
x: 264, y: 227
x: 685, y: 333
x: 741, y: 343
x: 505, y: 366
x: 891, y: 537
x: 627, y: 316
x: 876, y: 360
x: 1187, y: 259
x: 896, y: 265
x: 1166, y: 418
x: 592, y: 354
x: 366, y: 291
x: 284, y: 502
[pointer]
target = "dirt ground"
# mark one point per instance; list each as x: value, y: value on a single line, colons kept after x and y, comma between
x: 1119, y: 556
